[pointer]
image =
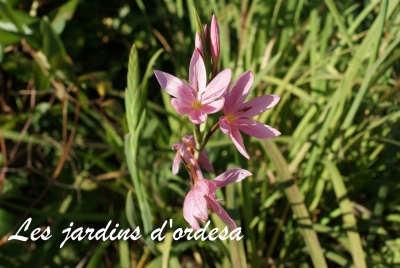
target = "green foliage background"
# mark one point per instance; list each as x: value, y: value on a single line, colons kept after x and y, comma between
x: 81, y: 143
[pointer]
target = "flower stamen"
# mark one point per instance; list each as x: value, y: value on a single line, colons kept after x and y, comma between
x: 245, y: 109
x: 230, y: 118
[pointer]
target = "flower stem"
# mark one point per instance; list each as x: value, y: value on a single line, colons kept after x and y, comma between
x: 197, y: 137
x: 207, y: 137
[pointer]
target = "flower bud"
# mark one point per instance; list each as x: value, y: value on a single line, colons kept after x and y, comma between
x: 214, y: 43
x: 199, y: 44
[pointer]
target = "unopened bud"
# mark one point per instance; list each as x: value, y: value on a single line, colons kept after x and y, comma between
x: 199, y: 44
x: 214, y: 43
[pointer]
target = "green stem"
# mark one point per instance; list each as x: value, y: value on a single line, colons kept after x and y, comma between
x: 207, y: 137
x: 197, y: 138
x: 214, y: 69
x: 277, y: 232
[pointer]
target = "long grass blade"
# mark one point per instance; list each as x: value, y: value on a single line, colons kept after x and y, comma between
x: 350, y: 224
x: 296, y: 201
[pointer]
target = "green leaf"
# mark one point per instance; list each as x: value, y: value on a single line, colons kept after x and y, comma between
x: 131, y: 147
x: 259, y: 76
x: 348, y: 216
x: 7, y: 12
x: 124, y: 245
x: 200, y: 30
x: 166, y: 249
x: 1, y: 52
x: 133, y: 70
x: 95, y: 259
x: 9, y: 38
x: 42, y: 82
x: 339, y: 20
x: 236, y: 248
x: 302, y: 94
x: 61, y: 15
x: 148, y: 73
x: 130, y: 211
x: 133, y: 96
x: 54, y: 49
x: 296, y: 200
x: 365, y: 85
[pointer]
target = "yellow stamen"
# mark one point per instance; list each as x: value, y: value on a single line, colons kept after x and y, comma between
x: 230, y: 118
x: 196, y: 104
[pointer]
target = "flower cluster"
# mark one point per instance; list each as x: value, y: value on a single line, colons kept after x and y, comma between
x: 198, y: 99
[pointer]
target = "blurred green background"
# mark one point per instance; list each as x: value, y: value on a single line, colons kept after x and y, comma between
x: 82, y: 143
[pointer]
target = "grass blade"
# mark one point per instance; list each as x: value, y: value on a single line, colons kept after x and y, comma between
x: 296, y: 201
x: 348, y: 216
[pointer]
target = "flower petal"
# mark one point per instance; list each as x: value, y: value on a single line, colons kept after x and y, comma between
x: 238, y: 141
x: 232, y: 175
x: 217, y: 87
x: 205, y: 162
x: 197, y: 72
x: 231, y: 130
x: 256, y: 129
x: 197, y: 116
x: 213, y: 107
x: 217, y: 208
x: 180, y: 106
x: 189, y: 140
x: 258, y: 105
x: 175, y: 86
x: 197, y: 170
x: 176, y: 163
x: 199, y: 204
x: 224, y: 125
x: 238, y: 93
x: 207, y: 187
x: 188, y: 209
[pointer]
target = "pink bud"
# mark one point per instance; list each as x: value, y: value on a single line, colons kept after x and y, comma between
x: 199, y: 44
x: 214, y: 38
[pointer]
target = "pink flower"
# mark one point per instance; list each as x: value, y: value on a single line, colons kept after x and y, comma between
x: 237, y: 113
x: 214, y: 40
x: 201, y: 198
x: 185, y: 152
x: 197, y: 100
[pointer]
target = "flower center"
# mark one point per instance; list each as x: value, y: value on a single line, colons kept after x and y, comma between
x: 196, y: 104
x: 230, y: 118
